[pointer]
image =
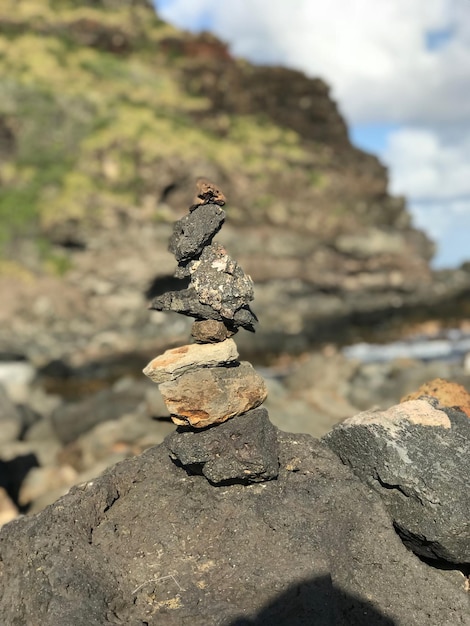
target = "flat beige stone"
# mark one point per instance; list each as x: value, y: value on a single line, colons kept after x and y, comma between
x: 178, y: 361
x: 412, y: 411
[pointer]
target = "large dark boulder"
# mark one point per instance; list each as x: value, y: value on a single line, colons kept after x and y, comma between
x: 150, y: 543
x: 416, y: 456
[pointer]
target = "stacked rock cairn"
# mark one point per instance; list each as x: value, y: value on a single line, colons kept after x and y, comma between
x: 210, y: 394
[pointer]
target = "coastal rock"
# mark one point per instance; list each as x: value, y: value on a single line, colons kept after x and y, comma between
x: 187, y: 302
x: 285, y: 219
x: 241, y: 450
x: 11, y: 421
x: 218, y: 288
x: 415, y: 455
x: 149, y: 543
x: 448, y: 393
x: 210, y: 331
x: 220, y: 282
x: 195, y: 231
x: 75, y: 418
x: 207, y: 193
x: 213, y: 395
x: 173, y: 363
x: 16, y: 378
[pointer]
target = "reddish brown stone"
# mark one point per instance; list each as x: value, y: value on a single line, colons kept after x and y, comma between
x: 448, y: 393
x: 213, y: 395
x: 210, y: 331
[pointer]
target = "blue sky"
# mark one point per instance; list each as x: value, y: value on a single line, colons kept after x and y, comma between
x: 400, y: 72
x: 371, y: 137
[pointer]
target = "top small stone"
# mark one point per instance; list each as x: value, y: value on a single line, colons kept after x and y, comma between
x: 207, y: 193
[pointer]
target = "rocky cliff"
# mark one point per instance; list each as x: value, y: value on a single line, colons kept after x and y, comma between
x: 107, y: 115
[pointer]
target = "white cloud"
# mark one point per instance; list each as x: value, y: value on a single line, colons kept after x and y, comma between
x: 449, y: 224
x: 434, y: 173
x: 424, y: 165
x: 373, y: 52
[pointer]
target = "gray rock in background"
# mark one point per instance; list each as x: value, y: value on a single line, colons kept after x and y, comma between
x: 416, y: 457
x: 11, y: 419
x: 75, y: 418
x: 16, y: 378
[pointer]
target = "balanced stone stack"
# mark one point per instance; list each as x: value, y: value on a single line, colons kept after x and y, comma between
x: 204, y: 384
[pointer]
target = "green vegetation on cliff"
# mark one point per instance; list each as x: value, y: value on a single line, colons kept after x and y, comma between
x: 106, y: 109
x: 84, y: 127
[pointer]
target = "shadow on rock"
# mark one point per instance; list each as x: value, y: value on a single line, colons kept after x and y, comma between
x: 316, y: 602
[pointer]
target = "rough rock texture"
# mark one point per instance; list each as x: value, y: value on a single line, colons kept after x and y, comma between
x: 173, y: 363
x: 210, y: 331
x: 449, y: 394
x: 220, y: 281
x: 187, y: 302
x: 218, y: 289
x: 147, y: 543
x: 242, y: 450
x: 207, y: 193
x: 194, y: 231
x: 213, y: 395
x: 416, y: 457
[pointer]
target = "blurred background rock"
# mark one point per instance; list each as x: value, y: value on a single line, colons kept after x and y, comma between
x: 107, y: 116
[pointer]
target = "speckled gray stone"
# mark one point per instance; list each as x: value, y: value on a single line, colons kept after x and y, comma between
x: 416, y: 456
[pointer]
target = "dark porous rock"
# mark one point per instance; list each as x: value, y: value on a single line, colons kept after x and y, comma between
x: 218, y: 289
x: 212, y: 395
x: 148, y: 543
x: 187, y: 302
x: 242, y: 450
x: 195, y: 231
x: 416, y: 456
x: 220, y: 282
x: 210, y: 331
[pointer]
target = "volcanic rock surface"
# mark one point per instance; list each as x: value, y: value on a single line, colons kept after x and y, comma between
x: 149, y: 543
x: 415, y: 455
